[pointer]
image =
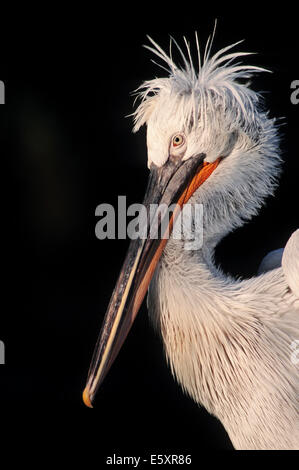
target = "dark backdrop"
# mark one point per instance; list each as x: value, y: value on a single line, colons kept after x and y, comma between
x: 66, y: 146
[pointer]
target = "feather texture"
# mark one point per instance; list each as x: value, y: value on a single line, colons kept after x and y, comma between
x: 227, y: 341
x: 205, y: 101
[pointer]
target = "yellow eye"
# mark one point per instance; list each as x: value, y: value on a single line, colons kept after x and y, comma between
x: 177, y: 140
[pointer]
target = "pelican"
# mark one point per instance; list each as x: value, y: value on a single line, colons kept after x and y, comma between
x: 228, y: 342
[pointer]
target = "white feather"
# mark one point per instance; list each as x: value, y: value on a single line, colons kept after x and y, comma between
x: 290, y: 263
x: 228, y: 342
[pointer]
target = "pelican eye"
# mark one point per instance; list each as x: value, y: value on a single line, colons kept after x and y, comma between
x: 178, y: 140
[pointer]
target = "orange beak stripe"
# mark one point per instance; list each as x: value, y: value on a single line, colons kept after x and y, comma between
x: 206, y: 170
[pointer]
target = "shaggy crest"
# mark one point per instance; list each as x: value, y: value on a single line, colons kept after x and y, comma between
x: 194, y: 94
x: 221, y: 117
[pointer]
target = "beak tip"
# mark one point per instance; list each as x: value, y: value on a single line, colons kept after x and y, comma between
x: 86, y: 398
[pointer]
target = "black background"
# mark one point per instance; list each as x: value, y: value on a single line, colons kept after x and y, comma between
x: 66, y: 146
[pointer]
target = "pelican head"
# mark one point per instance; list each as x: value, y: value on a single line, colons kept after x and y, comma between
x: 209, y: 141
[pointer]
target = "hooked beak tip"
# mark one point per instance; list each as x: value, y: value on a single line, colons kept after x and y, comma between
x: 86, y: 398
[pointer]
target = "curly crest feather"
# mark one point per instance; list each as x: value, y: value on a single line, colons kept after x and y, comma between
x: 215, y: 85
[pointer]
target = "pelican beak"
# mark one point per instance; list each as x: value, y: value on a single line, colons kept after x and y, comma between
x: 170, y: 185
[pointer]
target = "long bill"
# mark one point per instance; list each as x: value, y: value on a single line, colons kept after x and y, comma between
x: 169, y: 186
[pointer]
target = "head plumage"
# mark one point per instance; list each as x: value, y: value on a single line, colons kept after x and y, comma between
x: 216, y: 83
